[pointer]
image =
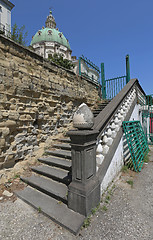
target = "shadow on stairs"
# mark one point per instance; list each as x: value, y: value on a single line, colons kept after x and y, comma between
x: 47, y: 188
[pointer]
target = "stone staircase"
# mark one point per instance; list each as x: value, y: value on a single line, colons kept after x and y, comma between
x: 47, y: 188
x: 101, y: 106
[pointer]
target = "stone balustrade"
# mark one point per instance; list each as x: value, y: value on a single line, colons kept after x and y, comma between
x: 112, y: 128
x: 94, y: 149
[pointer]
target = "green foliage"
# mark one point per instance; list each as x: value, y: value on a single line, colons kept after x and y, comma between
x: 130, y: 182
x: 87, y: 222
x: 124, y: 169
x: 104, y: 208
x: 59, y: 60
x: 108, y: 197
x: 146, y: 158
x: 39, y: 209
x: 16, y: 176
x: 46, y: 153
x: 18, y: 35
x: 94, y: 210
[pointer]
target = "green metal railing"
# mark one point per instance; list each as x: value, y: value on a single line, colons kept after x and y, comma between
x: 137, y: 143
x: 147, y: 118
x: 114, y: 86
x: 111, y: 87
x: 86, y: 72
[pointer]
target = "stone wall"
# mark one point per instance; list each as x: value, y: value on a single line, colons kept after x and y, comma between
x: 37, y: 100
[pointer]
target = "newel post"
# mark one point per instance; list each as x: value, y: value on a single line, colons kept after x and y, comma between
x: 127, y: 69
x: 84, y: 190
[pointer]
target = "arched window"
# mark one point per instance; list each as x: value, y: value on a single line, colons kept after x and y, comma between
x: 60, y: 34
x: 49, y: 32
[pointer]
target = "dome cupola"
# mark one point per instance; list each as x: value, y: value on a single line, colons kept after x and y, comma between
x: 50, y: 40
x: 50, y: 21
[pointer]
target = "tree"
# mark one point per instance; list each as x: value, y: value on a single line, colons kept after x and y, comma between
x: 59, y: 60
x: 18, y: 35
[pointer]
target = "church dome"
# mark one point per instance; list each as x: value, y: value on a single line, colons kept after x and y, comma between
x: 50, y: 35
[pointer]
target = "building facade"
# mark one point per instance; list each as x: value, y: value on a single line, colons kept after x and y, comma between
x: 5, y: 16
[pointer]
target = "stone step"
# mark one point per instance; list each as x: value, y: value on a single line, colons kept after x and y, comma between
x: 95, y: 114
x: 103, y: 104
x: 48, y: 186
x: 59, y: 153
x: 57, y: 211
x: 97, y: 111
x: 66, y: 140
x: 64, y: 146
x: 54, y: 173
x: 57, y: 162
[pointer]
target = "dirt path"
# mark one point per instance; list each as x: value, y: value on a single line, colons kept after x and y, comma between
x: 127, y: 215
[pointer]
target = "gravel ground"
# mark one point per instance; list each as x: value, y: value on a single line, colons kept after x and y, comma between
x: 129, y: 215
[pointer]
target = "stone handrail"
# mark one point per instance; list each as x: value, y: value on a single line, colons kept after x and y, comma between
x: 101, y: 121
x: 90, y: 147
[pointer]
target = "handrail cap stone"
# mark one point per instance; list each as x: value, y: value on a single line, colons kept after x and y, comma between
x: 83, y: 117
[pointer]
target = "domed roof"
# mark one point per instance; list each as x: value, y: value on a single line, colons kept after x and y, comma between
x: 50, y: 35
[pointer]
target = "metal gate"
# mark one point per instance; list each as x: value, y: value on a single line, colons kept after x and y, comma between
x: 111, y: 87
x: 147, y: 118
x: 136, y: 141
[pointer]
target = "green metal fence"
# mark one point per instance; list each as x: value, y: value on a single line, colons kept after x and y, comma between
x: 86, y: 71
x: 137, y: 143
x: 114, y: 86
x: 111, y: 87
x: 147, y: 118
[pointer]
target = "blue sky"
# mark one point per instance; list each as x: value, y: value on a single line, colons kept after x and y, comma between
x: 102, y: 30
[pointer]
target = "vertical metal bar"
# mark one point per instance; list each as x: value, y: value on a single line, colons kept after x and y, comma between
x: 114, y: 87
x: 103, y: 82
x: 111, y: 96
x: 80, y: 66
x: 117, y: 85
x: 127, y: 69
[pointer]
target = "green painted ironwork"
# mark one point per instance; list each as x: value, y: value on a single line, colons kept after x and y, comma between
x: 147, y: 118
x: 127, y: 69
x: 103, y: 82
x: 111, y: 87
x: 86, y: 73
x: 137, y: 143
x: 114, y: 86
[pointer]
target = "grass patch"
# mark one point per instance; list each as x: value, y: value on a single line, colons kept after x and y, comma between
x: 39, y: 209
x: 94, y: 210
x: 124, y: 169
x: 45, y: 154
x: 108, y: 197
x: 16, y: 176
x: 130, y: 182
x: 87, y: 222
x: 104, y: 208
x: 146, y: 158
